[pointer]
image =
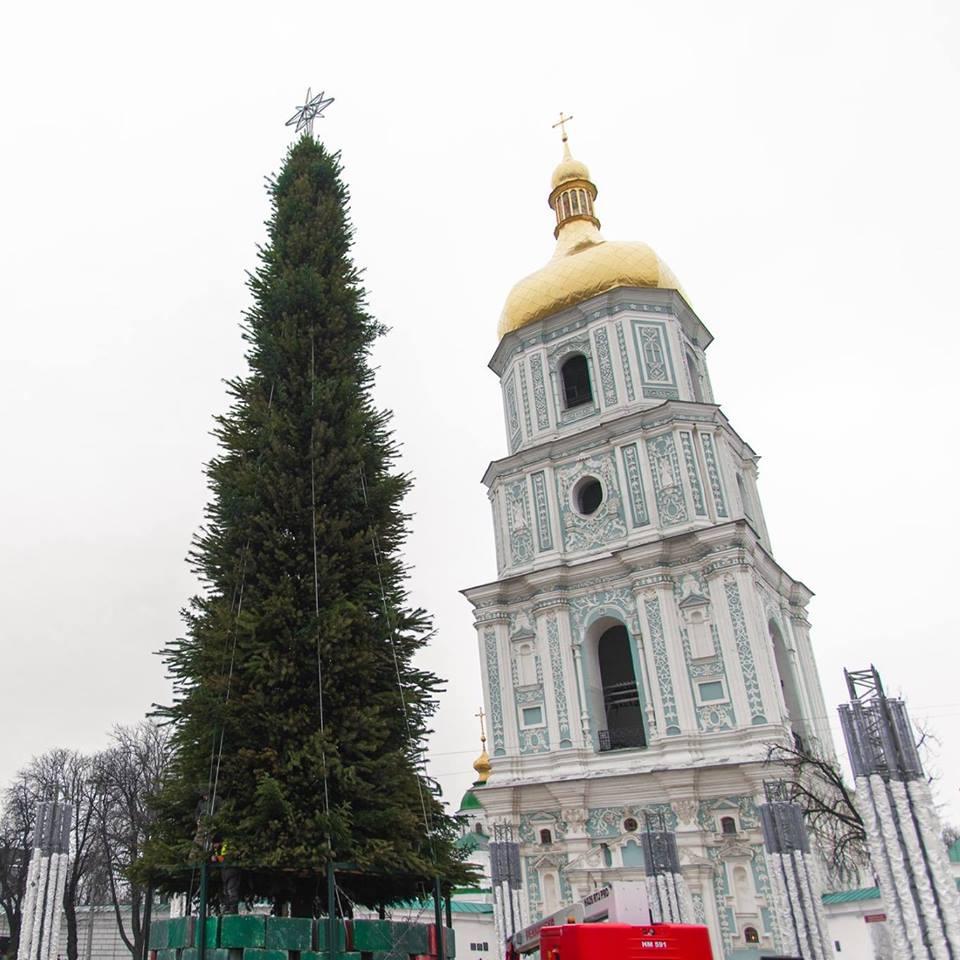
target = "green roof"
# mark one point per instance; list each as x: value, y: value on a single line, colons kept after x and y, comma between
x: 470, y: 801
x: 852, y: 896
x: 472, y: 841
x: 456, y: 906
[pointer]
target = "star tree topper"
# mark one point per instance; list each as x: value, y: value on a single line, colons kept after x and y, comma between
x: 312, y: 108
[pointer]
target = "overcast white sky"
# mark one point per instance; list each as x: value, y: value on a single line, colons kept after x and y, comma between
x: 795, y: 163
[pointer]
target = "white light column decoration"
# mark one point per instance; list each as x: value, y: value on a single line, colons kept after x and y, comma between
x: 794, y: 876
x: 670, y: 900
x: 902, y: 826
x: 46, y: 878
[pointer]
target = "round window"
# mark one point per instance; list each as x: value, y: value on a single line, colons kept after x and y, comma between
x: 588, y: 495
x: 630, y: 825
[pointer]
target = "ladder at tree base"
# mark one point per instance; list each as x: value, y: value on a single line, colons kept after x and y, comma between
x: 258, y: 937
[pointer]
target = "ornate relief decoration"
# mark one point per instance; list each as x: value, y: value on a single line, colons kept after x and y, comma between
x: 493, y: 681
x: 667, y: 487
x: 532, y: 823
x: 699, y: 911
x: 535, y: 740
x: 659, y: 646
x: 539, y: 392
x: 693, y: 473
x: 657, y: 376
x: 625, y: 361
x: 721, y: 890
x: 544, y: 536
x: 686, y: 810
x: 600, y: 528
x: 559, y: 688
x: 616, y: 602
x: 604, y: 822
x: 713, y: 474
x: 747, y: 666
x: 522, y: 374
x: 691, y: 591
x: 743, y: 805
x: 631, y: 468
x: 607, y: 379
x: 518, y: 523
x: 513, y: 418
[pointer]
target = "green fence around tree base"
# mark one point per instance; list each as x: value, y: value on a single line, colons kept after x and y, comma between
x: 258, y: 937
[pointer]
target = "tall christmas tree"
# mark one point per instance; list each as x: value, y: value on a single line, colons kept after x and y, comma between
x: 299, y: 713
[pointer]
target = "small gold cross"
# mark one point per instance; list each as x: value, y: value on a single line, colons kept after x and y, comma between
x: 561, y: 123
x: 483, y: 733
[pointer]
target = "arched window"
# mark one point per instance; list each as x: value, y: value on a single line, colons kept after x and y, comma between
x: 728, y: 825
x: 546, y: 837
x: 575, y: 377
x: 621, y: 698
x: 750, y: 935
x: 478, y: 828
x: 695, y: 377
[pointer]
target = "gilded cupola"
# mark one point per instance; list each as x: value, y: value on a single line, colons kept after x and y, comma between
x: 584, y: 264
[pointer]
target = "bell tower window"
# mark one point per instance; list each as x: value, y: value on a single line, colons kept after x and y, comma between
x: 575, y: 377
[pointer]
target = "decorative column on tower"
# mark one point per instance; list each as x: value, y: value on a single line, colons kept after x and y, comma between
x: 640, y: 646
x: 901, y: 823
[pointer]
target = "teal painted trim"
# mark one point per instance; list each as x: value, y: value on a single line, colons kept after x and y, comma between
x: 693, y: 473
x: 559, y: 687
x: 607, y: 380
x: 539, y: 392
x: 513, y: 418
x: 658, y: 378
x: 518, y: 522
x: 493, y: 682
x: 667, y: 488
x: 662, y: 664
x: 625, y: 361
x: 630, y: 457
x: 852, y: 896
x: 747, y: 667
x: 544, y: 536
x: 713, y: 474
x: 522, y: 374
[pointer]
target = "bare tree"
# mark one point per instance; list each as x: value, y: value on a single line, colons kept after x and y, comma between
x: 817, y: 785
x: 16, y: 831
x: 128, y: 775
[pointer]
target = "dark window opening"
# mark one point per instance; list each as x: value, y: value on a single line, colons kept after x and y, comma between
x: 621, y: 698
x: 588, y: 495
x: 479, y: 828
x: 728, y: 825
x: 546, y: 837
x: 630, y: 825
x: 750, y: 935
x: 575, y: 376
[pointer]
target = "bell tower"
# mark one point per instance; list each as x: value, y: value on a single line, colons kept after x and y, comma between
x: 640, y: 645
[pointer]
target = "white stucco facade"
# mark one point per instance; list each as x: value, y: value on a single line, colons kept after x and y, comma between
x: 638, y: 656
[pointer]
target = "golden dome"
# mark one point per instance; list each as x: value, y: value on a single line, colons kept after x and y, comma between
x: 568, y: 169
x: 482, y: 765
x: 583, y: 264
